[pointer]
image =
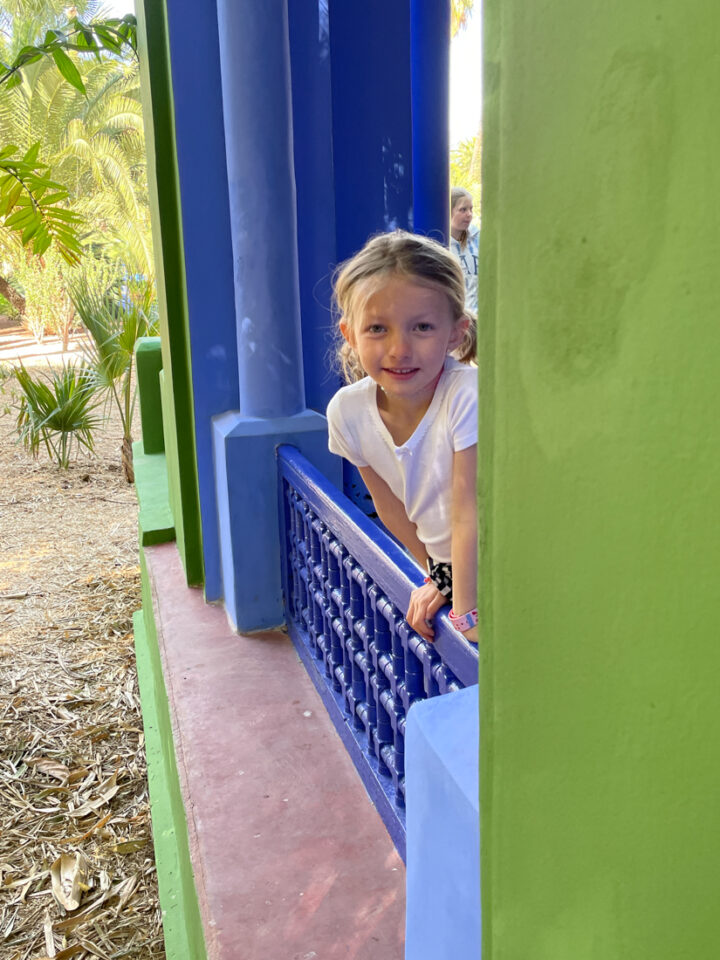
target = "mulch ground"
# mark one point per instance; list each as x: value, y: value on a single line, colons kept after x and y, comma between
x: 77, y: 872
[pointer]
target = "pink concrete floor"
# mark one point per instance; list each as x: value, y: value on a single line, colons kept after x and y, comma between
x: 291, y: 860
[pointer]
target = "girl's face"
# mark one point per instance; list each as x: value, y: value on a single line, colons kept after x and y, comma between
x: 461, y: 215
x: 402, y: 335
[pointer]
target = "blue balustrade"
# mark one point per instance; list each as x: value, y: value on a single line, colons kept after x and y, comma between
x: 346, y: 585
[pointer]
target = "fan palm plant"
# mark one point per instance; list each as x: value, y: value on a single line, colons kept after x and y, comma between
x: 114, y: 323
x: 57, y: 411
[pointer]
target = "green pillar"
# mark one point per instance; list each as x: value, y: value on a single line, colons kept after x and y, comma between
x: 175, y: 381
x: 600, y: 481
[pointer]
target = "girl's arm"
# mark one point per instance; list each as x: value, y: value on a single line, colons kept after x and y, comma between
x: 464, y: 534
x: 426, y: 600
x: 392, y: 513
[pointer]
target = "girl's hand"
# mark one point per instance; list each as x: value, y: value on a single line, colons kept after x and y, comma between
x: 425, y: 601
x: 471, y: 634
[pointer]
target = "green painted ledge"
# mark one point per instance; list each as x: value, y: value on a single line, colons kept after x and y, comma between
x: 182, y: 924
x: 151, y: 483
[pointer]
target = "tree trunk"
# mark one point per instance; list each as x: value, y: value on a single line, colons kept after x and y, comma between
x: 66, y: 335
x: 127, y: 460
x: 15, y: 299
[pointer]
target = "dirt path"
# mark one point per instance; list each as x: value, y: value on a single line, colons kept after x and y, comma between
x: 72, y: 761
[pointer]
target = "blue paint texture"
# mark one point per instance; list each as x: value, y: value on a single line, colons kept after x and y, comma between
x: 200, y: 140
x: 430, y: 61
x: 372, y: 129
x: 312, y: 152
x: 443, y: 836
x: 346, y: 585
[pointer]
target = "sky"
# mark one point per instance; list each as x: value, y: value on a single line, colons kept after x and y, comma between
x: 465, y: 73
x: 466, y: 80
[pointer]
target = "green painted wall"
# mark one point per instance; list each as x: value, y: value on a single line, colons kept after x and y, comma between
x: 182, y: 923
x: 148, y: 364
x: 177, y: 397
x: 600, y: 467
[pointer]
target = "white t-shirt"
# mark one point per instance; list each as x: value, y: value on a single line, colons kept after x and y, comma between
x: 419, y: 472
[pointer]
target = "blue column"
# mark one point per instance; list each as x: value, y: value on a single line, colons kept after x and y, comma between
x: 255, y: 69
x: 200, y: 141
x: 313, y: 156
x: 372, y: 136
x: 430, y: 52
x: 372, y: 132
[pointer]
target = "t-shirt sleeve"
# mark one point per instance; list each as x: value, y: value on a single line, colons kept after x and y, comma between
x: 341, y: 437
x: 464, y: 411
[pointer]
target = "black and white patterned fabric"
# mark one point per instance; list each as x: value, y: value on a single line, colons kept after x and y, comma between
x: 441, y: 576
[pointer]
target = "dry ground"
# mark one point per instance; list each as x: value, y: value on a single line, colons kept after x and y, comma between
x: 72, y: 760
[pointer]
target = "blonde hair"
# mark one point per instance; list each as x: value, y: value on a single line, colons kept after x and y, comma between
x: 397, y: 254
x: 456, y: 195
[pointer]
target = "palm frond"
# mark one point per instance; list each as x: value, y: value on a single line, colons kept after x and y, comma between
x: 114, y: 321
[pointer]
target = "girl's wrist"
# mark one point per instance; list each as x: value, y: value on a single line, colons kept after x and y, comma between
x: 465, y: 621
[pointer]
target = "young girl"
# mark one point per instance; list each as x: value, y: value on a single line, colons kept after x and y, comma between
x: 464, y: 242
x: 408, y: 419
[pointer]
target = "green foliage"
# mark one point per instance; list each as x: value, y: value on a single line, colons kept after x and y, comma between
x: 465, y: 168
x: 110, y: 36
x: 114, y: 324
x: 460, y: 12
x: 57, y: 411
x: 92, y: 143
x: 6, y: 308
x: 31, y: 204
x: 48, y: 307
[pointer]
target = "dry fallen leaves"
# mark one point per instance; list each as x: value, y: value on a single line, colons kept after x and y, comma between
x: 72, y: 764
x: 68, y: 875
x: 53, y: 769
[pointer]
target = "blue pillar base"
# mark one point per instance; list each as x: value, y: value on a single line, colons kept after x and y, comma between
x: 246, y: 479
x: 443, y: 828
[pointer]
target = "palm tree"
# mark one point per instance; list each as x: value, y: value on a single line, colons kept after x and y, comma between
x: 92, y: 142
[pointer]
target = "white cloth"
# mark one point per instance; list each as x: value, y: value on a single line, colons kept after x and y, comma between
x: 468, y: 257
x: 419, y: 472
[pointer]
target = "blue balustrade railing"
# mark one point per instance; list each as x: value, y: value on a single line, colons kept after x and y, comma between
x: 347, y: 585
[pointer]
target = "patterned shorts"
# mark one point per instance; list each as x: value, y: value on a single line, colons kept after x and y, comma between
x: 441, y: 576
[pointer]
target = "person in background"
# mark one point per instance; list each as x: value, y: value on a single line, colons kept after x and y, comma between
x: 464, y: 243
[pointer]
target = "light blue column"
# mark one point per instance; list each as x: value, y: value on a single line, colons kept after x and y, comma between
x: 430, y: 54
x: 443, y: 837
x: 255, y: 70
